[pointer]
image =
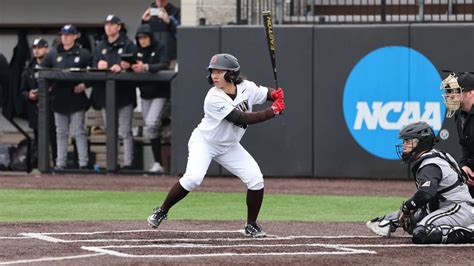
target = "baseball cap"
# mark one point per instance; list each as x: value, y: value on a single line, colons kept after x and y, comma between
x: 466, y: 80
x: 68, y: 29
x: 113, y: 19
x: 39, y: 42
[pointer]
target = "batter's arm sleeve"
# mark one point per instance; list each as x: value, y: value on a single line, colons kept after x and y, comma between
x: 269, y: 94
x: 242, y: 119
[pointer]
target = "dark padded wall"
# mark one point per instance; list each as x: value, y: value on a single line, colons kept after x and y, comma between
x: 314, y: 62
x: 337, y: 49
x: 445, y: 47
x: 282, y: 145
x: 195, y: 48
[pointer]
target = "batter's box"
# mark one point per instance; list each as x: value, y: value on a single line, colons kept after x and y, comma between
x: 203, y: 250
x: 153, y: 236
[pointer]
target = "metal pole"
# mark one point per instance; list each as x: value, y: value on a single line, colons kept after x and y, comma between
x: 383, y: 11
x: 111, y: 124
x: 43, y: 126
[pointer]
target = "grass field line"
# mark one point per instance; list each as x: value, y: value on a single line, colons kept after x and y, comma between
x: 51, y: 259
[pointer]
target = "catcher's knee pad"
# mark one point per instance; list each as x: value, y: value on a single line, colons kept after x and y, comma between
x: 441, y: 234
x: 420, y: 235
x: 459, y: 235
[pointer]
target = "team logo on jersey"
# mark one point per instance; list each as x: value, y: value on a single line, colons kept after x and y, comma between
x: 104, y: 51
x: 59, y: 59
x: 76, y: 59
x: 387, y: 89
x: 426, y: 184
x: 243, y: 106
x: 219, y: 109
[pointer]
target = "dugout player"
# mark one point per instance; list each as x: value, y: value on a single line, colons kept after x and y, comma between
x: 69, y: 100
x: 459, y: 98
x: 227, y: 114
x: 107, y: 56
x: 440, y: 210
x: 29, y: 91
x: 151, y: 58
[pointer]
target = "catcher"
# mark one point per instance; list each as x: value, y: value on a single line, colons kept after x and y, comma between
x: 440, y: 210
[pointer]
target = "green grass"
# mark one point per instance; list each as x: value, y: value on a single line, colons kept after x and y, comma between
x: 72, y: 205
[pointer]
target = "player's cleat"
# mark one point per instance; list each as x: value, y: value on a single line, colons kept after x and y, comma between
x: 58, y: 168
x: 379, y: 226
x: 157, y: 168
x: 155, y: 219
x: 254, y: 230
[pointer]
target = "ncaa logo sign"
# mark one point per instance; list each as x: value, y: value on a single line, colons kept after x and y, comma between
x: 387, y: 89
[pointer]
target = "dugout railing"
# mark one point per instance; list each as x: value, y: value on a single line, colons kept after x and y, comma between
x: 45, y: 77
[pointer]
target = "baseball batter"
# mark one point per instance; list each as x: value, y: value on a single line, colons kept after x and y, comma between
x: 440, y: 210
x: 227, y: 113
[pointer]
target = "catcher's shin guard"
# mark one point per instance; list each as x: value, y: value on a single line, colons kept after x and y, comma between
x: 442, y: 234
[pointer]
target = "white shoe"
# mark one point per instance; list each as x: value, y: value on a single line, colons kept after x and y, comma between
x: 157, y: 168
x: 379, y: 227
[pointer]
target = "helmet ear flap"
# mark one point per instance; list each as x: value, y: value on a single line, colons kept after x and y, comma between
x: 209, y: 79
x: 231, y: 76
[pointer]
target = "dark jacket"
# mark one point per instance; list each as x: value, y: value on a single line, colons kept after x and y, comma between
x: 465, y: 128
x: 153, y: 55
x: 28, y: 82
x: 111, y: 52
x: 166, y: 33
x: 7, y: 107
x: 63, y: 98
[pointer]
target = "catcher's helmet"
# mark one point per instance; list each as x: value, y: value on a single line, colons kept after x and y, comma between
x: 453, y: 86
x: 424, y: 135
x: 224, y: 62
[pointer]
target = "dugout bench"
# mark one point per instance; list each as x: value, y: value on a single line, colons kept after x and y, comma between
x: 45, y: 77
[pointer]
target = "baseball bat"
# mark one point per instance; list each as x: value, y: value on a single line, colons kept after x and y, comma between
x: 270, y: 36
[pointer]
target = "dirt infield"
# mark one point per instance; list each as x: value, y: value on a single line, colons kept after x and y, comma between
x: 204, y: 242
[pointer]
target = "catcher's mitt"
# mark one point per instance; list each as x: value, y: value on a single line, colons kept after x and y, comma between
x: 406, y: 219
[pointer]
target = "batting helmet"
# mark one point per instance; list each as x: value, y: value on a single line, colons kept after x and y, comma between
x: 224, y: 62
x: 424, y: 135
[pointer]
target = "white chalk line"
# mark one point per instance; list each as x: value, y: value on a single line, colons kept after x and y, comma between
x: 144, y: 231
x: 44, y: 237
x: 340, y: 249
x: 57, y: 240
x: 14, y: 237
x: 52, y: 259
x: 121, y: 254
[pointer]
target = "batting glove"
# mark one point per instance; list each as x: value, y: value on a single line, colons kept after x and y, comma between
x: 278, y: 106
x: 278, y: 94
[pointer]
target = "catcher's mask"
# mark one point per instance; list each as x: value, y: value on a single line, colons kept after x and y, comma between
x: 418, y: 137
x: 224, y: 62
x: 452, y: 94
